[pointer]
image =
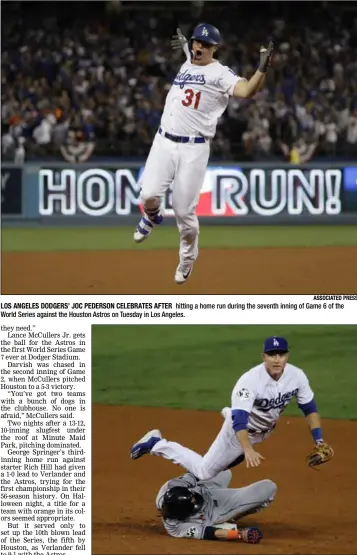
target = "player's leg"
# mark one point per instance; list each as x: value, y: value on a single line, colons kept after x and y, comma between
x: 226, y: 412
x: 236, y: 503
x: 222, y: 480
x: 158, y: 174
x: 224, y: 450
x: 186, y: 189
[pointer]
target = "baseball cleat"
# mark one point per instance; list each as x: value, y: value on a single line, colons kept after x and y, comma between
x: 145, y: 444
x: 250, y: 534
x: 146, y: 225
x: 182, y: 273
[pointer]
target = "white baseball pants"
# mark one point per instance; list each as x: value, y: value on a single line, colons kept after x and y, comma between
x: 223, y: 452
x: 182, y: 167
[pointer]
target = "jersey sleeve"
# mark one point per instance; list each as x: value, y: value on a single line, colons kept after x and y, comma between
x: 244, y: 394
x: 304, y: 394
x: 185, y: 529
x: 227, y: 80
x: 186, y: 481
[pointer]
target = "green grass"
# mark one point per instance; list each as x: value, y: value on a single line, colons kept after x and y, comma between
x: 110, y: 238
x: 196, y: 367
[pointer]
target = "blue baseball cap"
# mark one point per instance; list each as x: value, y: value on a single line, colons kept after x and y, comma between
x: 276, y: 344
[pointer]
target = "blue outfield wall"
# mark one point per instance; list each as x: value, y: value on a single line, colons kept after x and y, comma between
x: 232, y: 193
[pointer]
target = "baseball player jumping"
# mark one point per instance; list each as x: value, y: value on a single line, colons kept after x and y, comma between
x: 258, y: 399
x: 207, y: 510
x: 180, y: 151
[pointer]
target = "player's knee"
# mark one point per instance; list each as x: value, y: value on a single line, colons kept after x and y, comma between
x: 149, y: 201
x: 227, y: 475
x: 270, y: 488
x: 205, y: 473
x: 188, y: 229
x: 185, y: 216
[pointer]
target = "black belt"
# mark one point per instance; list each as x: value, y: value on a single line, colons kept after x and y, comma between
x: 178, y: 139
x: 251, y: 431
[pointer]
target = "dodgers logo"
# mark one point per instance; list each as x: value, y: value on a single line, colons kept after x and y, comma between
x: 204, y: 32
x: 276, y: 342
x: 184, y: 78
x: 280, y: 402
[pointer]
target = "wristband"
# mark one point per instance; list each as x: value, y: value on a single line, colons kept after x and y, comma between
x: 232, y: 534
x: 209, y: 533
x: 317, y: 435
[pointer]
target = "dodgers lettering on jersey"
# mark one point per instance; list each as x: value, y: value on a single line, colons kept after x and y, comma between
x: 265, y: 399
x: 198, y: 97
x: 194, y: 526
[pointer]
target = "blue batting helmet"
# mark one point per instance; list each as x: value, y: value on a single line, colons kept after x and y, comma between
x: 207, y: 33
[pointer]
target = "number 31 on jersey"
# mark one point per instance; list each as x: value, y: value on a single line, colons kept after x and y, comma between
x: 191, y: 98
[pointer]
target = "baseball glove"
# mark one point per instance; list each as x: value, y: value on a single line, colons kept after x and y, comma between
x: 321, y: 453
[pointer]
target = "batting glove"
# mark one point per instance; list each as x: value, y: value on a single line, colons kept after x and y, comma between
x: 266, y: 55
x: 179, y: 40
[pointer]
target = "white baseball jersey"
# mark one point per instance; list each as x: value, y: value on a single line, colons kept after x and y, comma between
x: 265, y: 399
x: 198, y: 97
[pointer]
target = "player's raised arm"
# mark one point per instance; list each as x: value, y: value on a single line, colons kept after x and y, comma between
x: 306, y: 402
x: 179, y: 41
x: 248, y: 88
x: 243, y: 398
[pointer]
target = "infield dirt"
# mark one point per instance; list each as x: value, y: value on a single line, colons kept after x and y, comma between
x: 297, y: 270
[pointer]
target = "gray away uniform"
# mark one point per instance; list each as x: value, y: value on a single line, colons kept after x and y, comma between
x: 221, y: 503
